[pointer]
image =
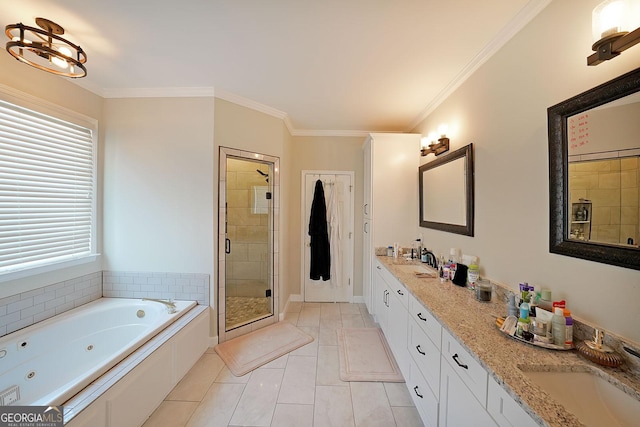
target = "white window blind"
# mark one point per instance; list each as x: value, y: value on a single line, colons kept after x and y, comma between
x: 47, y: 192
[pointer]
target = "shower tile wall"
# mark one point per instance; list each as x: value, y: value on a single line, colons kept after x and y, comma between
x: 613, y: 186
x: 248, y: 229
x: 25, y: 309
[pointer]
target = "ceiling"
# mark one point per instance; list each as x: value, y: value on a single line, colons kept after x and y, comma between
x: 328, y: 67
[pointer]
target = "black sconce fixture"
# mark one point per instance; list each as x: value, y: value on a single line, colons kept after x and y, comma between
x: 45, y: 49
x: 612, y: 24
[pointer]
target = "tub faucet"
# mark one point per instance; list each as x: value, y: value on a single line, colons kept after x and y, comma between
x: 171, y: 306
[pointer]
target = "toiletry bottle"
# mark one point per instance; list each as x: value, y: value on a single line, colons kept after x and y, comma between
x: 512, y: 310
x: 568, y: 335
x: 389, y: 251
x: 423, y: 255
x: 473, y: 273
x: 559, y: 326
x: 523, y: 322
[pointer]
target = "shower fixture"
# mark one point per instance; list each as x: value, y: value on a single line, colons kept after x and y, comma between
x: 266, y: 175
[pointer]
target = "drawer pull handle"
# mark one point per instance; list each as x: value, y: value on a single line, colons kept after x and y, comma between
x: 400, y: 292
x: 455, y: 357
x: 424, y: 319
x: 378, y: 267
x: 420, y: 350
x: 415, y: 389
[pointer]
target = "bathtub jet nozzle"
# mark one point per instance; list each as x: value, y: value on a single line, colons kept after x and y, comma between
x: 171, y: 306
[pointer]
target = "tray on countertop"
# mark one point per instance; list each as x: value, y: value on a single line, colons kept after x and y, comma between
x: 500, y: 322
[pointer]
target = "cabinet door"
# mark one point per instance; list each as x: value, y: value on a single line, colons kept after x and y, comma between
x: 458, y: 406
x: 425, y: 402
x: 397, y: 338
x: 380, y: 298
x: 367, y: 208
x: 367, y: 255
x: 504, y: 410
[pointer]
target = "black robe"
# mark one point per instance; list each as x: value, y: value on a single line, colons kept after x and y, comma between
x: 320, y: 253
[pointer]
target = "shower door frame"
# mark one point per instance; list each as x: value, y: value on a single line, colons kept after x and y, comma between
x: 274, y: 162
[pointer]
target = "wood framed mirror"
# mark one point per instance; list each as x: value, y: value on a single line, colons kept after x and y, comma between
x: 446, y: 187
x: 594, y: 173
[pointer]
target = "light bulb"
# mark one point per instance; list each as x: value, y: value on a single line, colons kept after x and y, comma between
x: 60, y: 62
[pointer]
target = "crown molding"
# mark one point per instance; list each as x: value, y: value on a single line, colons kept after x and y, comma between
x: 159, y: 92
x: 339, y: 133
x: 526, y: 14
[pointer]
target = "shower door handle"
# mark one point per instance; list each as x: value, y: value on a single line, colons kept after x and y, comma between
x: 227, y: 246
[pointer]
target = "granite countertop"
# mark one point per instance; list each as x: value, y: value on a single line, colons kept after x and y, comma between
x: 473, y: 324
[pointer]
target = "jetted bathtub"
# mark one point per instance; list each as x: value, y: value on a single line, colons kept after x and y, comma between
x: 49, y: 362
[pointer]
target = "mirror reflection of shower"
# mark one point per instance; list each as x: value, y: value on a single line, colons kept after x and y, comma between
x: 266, y: 175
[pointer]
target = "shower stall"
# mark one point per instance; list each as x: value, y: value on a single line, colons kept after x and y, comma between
x: 247, y: 261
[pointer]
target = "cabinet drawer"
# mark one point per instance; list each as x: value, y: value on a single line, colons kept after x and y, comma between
x: 426, y: 403
x: 504, y: 410
x: 425, y: 355
x: 472, y: 374
x: 394, y: 284
x: 425, y: 320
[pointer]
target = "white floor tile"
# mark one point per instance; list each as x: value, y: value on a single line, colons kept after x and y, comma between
x: 406, y: 416
x: 258, y: 401
x: 226, y: 376
x: 330, y: 311
x: 279, y: 363
x: 299, y: 381
x: 328, y: 336
x: 195, y: 384
x: 287, y: 415
x: 328, y: 372
x: 171, y: 414
x: 352, y: 321
x: 333, y: 407
x: 217, y: 406
x: 346, y: 308
x: 398, y: 394
x: 309, y: 317
x: 310, y: 349
x: 370, y: 405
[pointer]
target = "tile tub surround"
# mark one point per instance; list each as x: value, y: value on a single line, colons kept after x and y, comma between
x: 472, y: 323
x: 24, y: 309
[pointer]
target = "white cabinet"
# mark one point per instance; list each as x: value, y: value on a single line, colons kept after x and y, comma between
x: 468, y: 368
x: 423, y: 397
x: 458, y: 405
x: 390, y: 206
x: 504, y: 410
x: 391, y: 314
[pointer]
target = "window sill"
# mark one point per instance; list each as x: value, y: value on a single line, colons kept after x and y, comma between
x: 19, y: 274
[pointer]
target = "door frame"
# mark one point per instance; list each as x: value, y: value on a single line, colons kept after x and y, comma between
x: 305, y: 224
x: 224, y: 154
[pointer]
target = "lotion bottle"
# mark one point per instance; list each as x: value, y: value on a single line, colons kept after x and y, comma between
x: 559, y: 326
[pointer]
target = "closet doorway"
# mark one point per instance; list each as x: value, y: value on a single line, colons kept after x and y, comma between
x: 339, y: 186
x: 247, y: 240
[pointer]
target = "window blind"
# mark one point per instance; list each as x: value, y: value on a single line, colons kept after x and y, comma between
x: 46, y: 189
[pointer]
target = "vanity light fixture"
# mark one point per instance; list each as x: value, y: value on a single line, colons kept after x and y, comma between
x: 45, y: 49
x: 442, y: 146
x: 613, y: 23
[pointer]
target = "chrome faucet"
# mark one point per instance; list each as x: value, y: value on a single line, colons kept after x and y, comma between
x: 171, y: 306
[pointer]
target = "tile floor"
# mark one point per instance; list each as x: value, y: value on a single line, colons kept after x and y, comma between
x: 299, y: 389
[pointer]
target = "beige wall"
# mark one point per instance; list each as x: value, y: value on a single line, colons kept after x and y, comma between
x: 502, y: 109
x: 325, y: 153
x: 20, y: 78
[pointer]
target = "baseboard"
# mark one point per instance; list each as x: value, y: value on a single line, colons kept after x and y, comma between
x: 213, y: 341
x: 358, y: 299
x: 292, y: 298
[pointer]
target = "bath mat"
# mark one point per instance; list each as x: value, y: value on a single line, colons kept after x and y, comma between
x: 248, y: 352
x: 366, y: 356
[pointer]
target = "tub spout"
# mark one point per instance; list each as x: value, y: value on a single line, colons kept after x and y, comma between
x: 171, y: 306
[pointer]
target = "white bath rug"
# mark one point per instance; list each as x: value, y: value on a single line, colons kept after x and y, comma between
x: 366, y: 356
x: 248, y: 352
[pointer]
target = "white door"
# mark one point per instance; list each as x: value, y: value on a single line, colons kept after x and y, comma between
x: 339, y: 288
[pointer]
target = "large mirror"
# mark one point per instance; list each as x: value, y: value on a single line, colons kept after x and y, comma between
x: 448, y: 210
x: 594, y: 173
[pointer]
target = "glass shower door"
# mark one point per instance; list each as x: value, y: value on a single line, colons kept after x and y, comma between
x: 248, y: 242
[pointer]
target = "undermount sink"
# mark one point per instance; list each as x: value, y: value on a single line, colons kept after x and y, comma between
x: 593, y: 400
x: 417, y: 270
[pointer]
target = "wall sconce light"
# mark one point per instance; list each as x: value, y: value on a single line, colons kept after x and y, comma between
x: 614, y: 29
x: 442, y: 146
x: 44, y: 49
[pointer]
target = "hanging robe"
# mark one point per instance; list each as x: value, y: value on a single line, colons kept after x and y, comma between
x: 320, y: 251
x: 335, y: 233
